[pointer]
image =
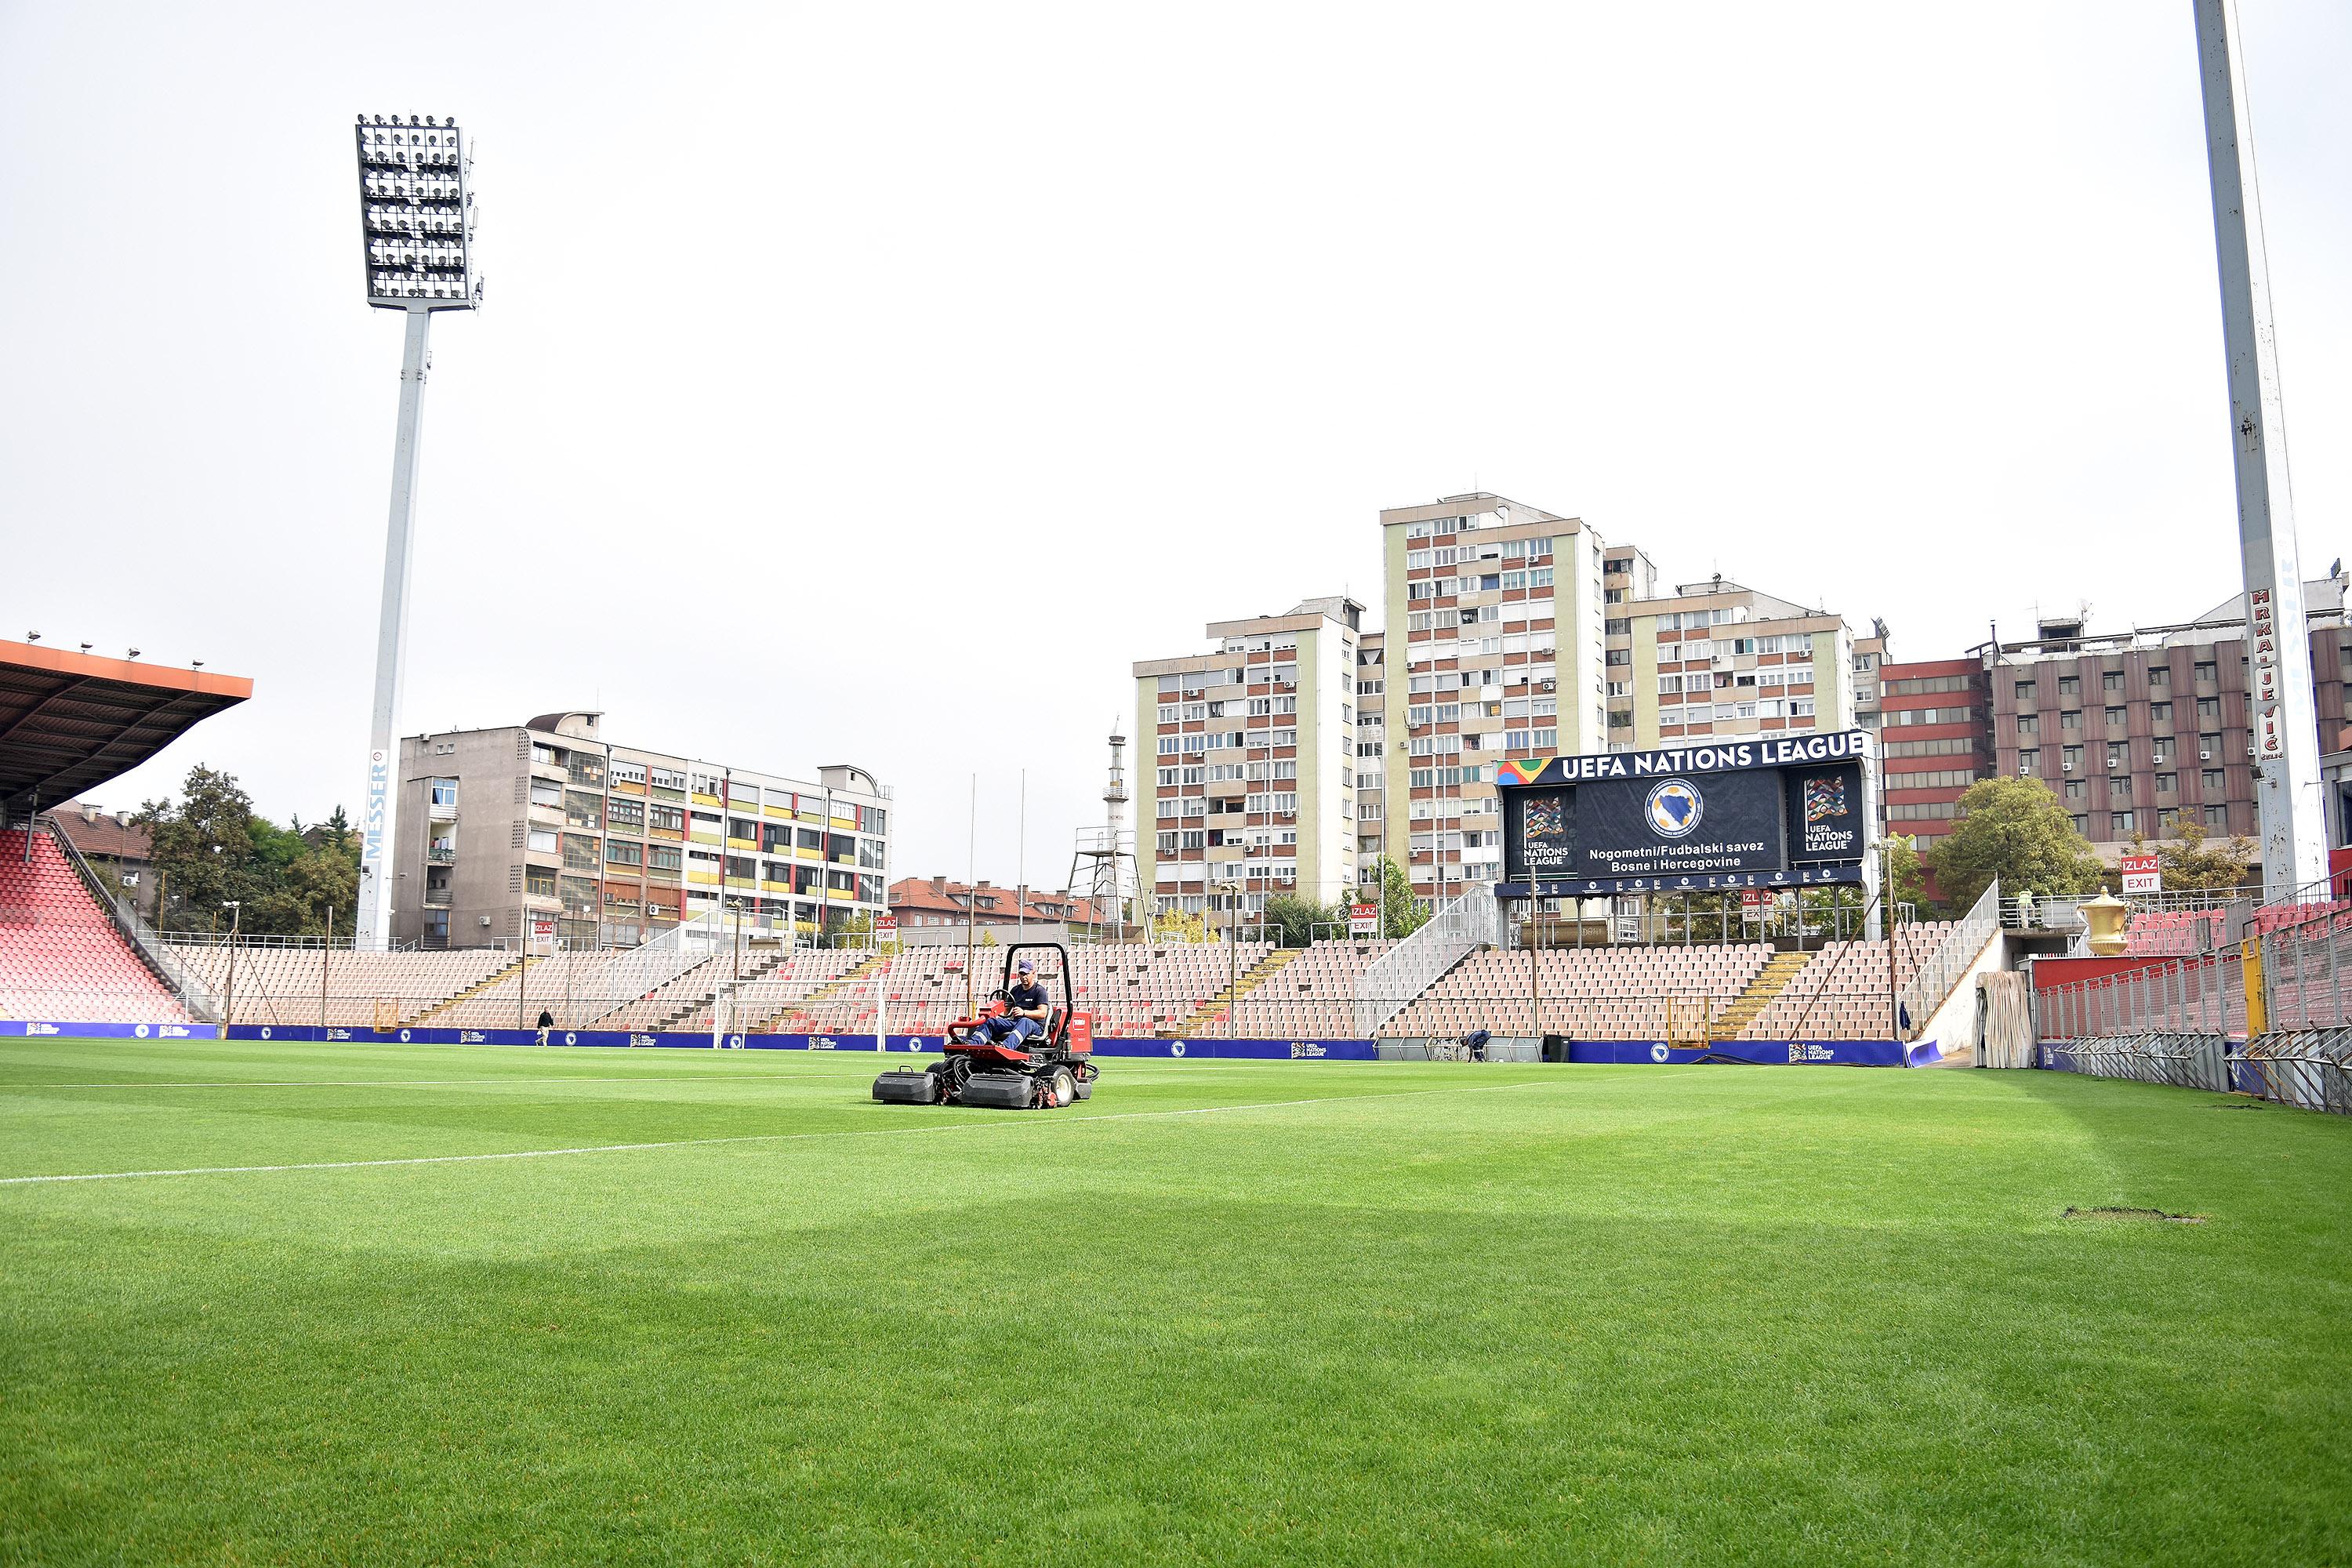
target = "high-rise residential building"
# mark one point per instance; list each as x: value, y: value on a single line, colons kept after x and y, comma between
x: 548, y: 829
x: 1371, y: 747
x: 1715, y: 660
x: 1253, y: 765
x: 1494, y: 645
x: 2135, y: 729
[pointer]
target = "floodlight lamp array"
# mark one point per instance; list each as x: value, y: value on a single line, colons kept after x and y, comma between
x: 417, y: 213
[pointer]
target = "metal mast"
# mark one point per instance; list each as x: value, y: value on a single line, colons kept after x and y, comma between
x: 417, y: 228
x: 2284, y: 721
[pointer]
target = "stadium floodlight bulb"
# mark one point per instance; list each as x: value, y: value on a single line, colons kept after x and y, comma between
x: 416, y: 213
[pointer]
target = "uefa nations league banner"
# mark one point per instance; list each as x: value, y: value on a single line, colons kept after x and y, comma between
x: 1787, y: 811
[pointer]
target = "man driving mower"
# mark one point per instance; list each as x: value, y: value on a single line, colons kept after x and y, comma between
x: 1025, y: 1010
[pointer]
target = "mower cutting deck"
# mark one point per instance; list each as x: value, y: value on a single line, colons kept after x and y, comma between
x: 1042, y: 1072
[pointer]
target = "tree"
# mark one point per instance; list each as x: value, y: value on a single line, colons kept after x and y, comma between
x: 1175, y: 925
x: 1298, y: 917
x: 1401, y: 913
x: 2016, y: 830
x: 212, y: 849
x: 2191, y: 864
x: 203, y: 850
x: 1905, y: 882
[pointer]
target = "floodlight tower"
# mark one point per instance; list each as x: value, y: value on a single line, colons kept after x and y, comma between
x: 417, y: 230
x: 2285, y: 721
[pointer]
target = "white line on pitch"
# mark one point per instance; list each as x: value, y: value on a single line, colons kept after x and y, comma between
x: 754, y: 1137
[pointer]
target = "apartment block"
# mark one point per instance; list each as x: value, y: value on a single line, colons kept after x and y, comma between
x: 546, y: 830
x: 1254, y: 763
x: 1495, y: 645
x: 2133, y: 729
x: 1716, y: 660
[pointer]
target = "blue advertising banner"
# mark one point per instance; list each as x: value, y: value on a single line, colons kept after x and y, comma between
x: 1758, y: 1053
x: 44, y: 1029
x: 1173, y: 1050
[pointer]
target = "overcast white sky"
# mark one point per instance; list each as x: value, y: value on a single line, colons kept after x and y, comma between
x: 874, y: 384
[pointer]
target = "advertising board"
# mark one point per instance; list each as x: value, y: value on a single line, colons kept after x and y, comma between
x: 1763, y: 812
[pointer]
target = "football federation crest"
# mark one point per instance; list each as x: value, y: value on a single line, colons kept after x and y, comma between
x: 1674, y: 809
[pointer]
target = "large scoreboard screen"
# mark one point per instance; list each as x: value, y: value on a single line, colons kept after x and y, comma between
x: 1768, y: 812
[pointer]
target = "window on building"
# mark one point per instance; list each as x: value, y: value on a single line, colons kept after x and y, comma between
x: 2124, y: 823
x: 2026, y: 692
x: 2159, y: 678
x: 2159, y: 712
x: 2077, y: 790
x: 2217, y: 817
x: 2029, y: 724
x: 2071, y: 719
x: 2110, y: 681
x: 2029, y: 760
x: 2213, y: 779
x: 2207, y: 670
x: 2167, y: 784
x: 2070, y: 757
x: 2114, y: 716
x: 2208, y: 707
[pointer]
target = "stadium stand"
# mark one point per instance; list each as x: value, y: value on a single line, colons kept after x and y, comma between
x: 1844, y: 991
x: 1311, y: 996
x: 296, y: 984
x: 1133, y: 989
x: 1600, y: 993
x: 2157, y: 933
x: 61, y: 958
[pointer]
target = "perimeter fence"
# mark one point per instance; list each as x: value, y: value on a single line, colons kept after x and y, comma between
x: 2273, y: 1019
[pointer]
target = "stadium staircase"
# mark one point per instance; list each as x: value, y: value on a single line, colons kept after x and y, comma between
x: 504, y: 971
x: 1217, y: 1009
x: 847, y: 988
x: 1777, y: 971
x: 707, y: 996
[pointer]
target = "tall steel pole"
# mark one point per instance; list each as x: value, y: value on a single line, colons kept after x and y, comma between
x: 374, y: 927
x: 2285, y: 721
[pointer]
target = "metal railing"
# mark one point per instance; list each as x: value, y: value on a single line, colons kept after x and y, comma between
x: 2183, y: 1060
x: 1459, y: 927
x: 2308, y: 1068
x: 2180, y: 995
x: 2306, y: 969
x: 1934, y: 973
x: 193, y: 994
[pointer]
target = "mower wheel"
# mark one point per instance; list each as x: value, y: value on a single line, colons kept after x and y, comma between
x: 1061, y: 1088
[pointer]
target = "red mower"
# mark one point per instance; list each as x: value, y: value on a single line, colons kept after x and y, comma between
x: 1042, y: 1071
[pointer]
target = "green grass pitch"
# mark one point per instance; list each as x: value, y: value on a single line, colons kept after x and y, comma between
x: 1223, y: 1313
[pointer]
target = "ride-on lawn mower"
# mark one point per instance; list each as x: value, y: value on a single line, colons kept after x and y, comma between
x: 1044, y: 1071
